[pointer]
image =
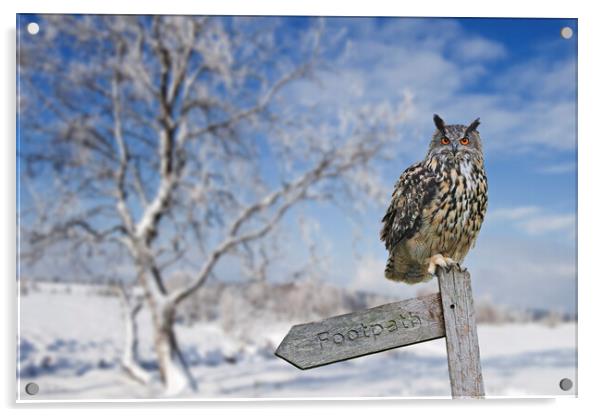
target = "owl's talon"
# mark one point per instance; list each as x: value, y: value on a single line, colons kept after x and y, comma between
x: 435, y: 261
x: 444, y: 262
x: 451, y: 263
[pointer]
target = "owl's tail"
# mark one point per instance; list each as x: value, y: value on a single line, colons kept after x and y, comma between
x: 408, y: 272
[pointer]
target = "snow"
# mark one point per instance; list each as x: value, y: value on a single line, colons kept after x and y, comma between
x: 70, y: 345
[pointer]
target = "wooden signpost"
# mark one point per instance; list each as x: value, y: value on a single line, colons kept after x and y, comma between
x: 449, y: 314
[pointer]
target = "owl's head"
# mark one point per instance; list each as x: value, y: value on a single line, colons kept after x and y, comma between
x: 455, y: 142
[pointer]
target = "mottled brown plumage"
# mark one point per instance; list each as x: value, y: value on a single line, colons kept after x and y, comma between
x: 438, y: 205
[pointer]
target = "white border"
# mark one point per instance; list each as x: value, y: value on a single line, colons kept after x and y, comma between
x: 589, y: 34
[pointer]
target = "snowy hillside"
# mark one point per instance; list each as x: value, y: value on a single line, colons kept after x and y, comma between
x: 70, y: 345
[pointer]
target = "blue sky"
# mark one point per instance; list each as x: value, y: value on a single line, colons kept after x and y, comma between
x: 519, y: 77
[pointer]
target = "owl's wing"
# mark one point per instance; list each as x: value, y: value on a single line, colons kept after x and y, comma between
x: 414, y: 190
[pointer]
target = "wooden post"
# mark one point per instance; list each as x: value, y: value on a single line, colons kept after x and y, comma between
x: 463, y: 356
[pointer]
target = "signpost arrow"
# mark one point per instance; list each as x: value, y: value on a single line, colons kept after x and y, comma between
x: 448, y: 314
x: 363, y: 332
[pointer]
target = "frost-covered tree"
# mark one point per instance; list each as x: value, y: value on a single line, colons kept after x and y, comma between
x: 163, y: 144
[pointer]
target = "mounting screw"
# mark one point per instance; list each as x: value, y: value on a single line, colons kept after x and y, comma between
x: 566, y: 32
x: 566, y: 384
x: 33, y: 28
x: 32, y: 388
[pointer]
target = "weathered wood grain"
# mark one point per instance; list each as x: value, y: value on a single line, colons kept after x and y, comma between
x: 363, y: 332
x: 463, y: 356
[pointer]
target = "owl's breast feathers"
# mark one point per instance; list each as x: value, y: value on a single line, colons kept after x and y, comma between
x: 436, y: 207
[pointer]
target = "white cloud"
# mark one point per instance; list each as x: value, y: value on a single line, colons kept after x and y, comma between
x: 560, y: 168
x: 550, y: 223
x: 513, y: 213
x: 479, y: 49
x: 535, y: 220
x: 540, y: 79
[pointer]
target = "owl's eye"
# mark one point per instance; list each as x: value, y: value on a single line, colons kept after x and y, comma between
x: 464, y: 141
x: 444, y: 141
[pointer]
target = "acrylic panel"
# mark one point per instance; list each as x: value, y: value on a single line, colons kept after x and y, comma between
x: 192, y: 187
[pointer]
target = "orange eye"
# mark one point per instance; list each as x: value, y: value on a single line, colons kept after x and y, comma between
x: 444, y: 141
x: 464, y: 141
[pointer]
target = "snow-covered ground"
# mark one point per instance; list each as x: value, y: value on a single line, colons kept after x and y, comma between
x: 70, y: 345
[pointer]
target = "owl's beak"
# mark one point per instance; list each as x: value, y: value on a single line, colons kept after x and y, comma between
x: 455, y: 148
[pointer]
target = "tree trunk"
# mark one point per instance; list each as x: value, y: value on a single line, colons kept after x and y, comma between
x: 172, y: 367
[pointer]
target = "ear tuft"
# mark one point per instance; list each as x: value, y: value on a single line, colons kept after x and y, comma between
x: 473, y: 125
x: 439, y: 123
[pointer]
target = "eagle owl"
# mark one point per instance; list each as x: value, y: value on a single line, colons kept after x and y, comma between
x: 438, y: 205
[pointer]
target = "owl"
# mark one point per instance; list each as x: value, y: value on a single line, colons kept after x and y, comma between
x: 438, y: 206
